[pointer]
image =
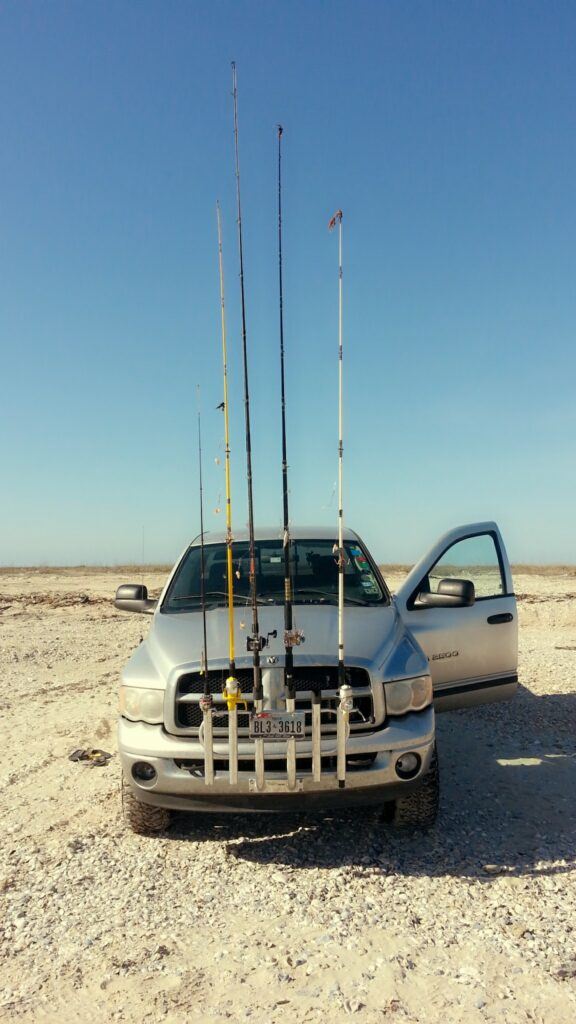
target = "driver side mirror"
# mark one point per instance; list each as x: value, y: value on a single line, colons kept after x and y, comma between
x: 450, y: 594
x: 133, y: 597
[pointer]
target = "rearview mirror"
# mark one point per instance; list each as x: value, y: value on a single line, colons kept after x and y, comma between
x: 133, y: 597
x: 450, y: 594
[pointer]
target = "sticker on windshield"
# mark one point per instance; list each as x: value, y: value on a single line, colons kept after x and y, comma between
x: 359, y: 557
x: 369, y: 586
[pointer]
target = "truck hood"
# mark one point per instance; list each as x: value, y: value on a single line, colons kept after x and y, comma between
x: 375, y: 638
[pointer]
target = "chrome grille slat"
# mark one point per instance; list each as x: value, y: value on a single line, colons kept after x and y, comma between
x: 194, y: 698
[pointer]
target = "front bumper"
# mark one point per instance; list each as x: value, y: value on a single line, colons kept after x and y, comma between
x: 175, y: 787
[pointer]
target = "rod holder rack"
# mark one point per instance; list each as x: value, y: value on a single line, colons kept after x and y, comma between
x: 209, y: 712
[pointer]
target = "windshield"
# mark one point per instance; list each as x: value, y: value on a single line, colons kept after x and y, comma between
x: 314, y: 573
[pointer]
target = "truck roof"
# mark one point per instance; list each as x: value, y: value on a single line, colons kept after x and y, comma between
x: 276, y: 533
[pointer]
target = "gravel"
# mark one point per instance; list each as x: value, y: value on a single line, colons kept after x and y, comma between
x: 270, y: 918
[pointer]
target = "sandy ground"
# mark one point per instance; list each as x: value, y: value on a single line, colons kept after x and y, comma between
x: 273, y: 919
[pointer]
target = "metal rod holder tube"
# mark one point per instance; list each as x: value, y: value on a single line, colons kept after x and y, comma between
x: 259, y: 753
x: 316, y: 741
x: 342, y: 729
x: 291, y: 750
x: 208, y: 748
x: 345, y: 706
x: 233, y: 746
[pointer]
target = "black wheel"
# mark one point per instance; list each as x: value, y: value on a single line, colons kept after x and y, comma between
x: 143, y: 818
x: 419, y: 808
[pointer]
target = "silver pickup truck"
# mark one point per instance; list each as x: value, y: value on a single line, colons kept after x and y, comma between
x: 447, y: 639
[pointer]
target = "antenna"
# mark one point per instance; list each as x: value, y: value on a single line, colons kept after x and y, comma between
x: 254, y: 642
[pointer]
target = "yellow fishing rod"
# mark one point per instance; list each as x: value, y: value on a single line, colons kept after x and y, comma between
x: 231, y: 692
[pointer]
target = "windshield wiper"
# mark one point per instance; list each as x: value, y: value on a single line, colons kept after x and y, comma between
x: 213, y: 593
x: 198, y: 597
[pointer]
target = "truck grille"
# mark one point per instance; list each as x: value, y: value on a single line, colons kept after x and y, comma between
x: 308, y: 681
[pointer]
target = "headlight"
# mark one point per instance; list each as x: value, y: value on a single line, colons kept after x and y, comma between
x: 408, y: 695
x: 142, y: 705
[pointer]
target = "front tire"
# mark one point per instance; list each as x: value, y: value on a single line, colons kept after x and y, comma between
x: 144, y: 819
x: 419, y: 808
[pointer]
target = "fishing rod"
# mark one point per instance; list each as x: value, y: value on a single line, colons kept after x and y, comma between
x: 345, y: 691
x: 339, y: 551
x: 229, y: 565
x: 292, y: 637
x: 204, y: 661
x: 231, y: 691
x: 206, y: 701
x: 254, y: 643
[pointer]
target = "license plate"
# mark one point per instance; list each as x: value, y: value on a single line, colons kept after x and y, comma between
x: 276, y: 786
x: 277, y: 725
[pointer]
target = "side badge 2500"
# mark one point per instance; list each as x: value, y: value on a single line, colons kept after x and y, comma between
x: 445, y: 654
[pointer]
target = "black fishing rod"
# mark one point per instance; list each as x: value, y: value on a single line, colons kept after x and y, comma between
x: 346, y: 705
x: 206, y: 701
x: 255, y: 642
x: 226, y: 411
x: 291, y: 637
x: 204, y: 661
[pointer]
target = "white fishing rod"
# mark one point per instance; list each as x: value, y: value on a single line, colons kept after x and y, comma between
x: 345, y: 691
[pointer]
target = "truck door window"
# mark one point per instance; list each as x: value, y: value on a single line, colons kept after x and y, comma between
x: 475, y: 559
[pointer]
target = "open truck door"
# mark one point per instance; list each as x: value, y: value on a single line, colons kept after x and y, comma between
x: 459, y: 603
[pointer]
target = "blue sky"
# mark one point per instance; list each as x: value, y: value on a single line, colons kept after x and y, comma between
x: 447, y: 134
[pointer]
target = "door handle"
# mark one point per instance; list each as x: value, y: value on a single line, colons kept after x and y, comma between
x: 494, y: 620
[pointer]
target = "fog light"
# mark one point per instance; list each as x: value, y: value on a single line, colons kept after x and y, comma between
x: 408, y: 765
x: 143, y: 772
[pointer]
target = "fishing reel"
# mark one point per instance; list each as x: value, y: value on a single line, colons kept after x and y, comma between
x: 346, y: 696
x: 258, y: 643
x: 293, y: 637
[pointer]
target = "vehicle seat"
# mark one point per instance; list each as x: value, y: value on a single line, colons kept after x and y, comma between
x: 217, y: 577
x: 324, y: 571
